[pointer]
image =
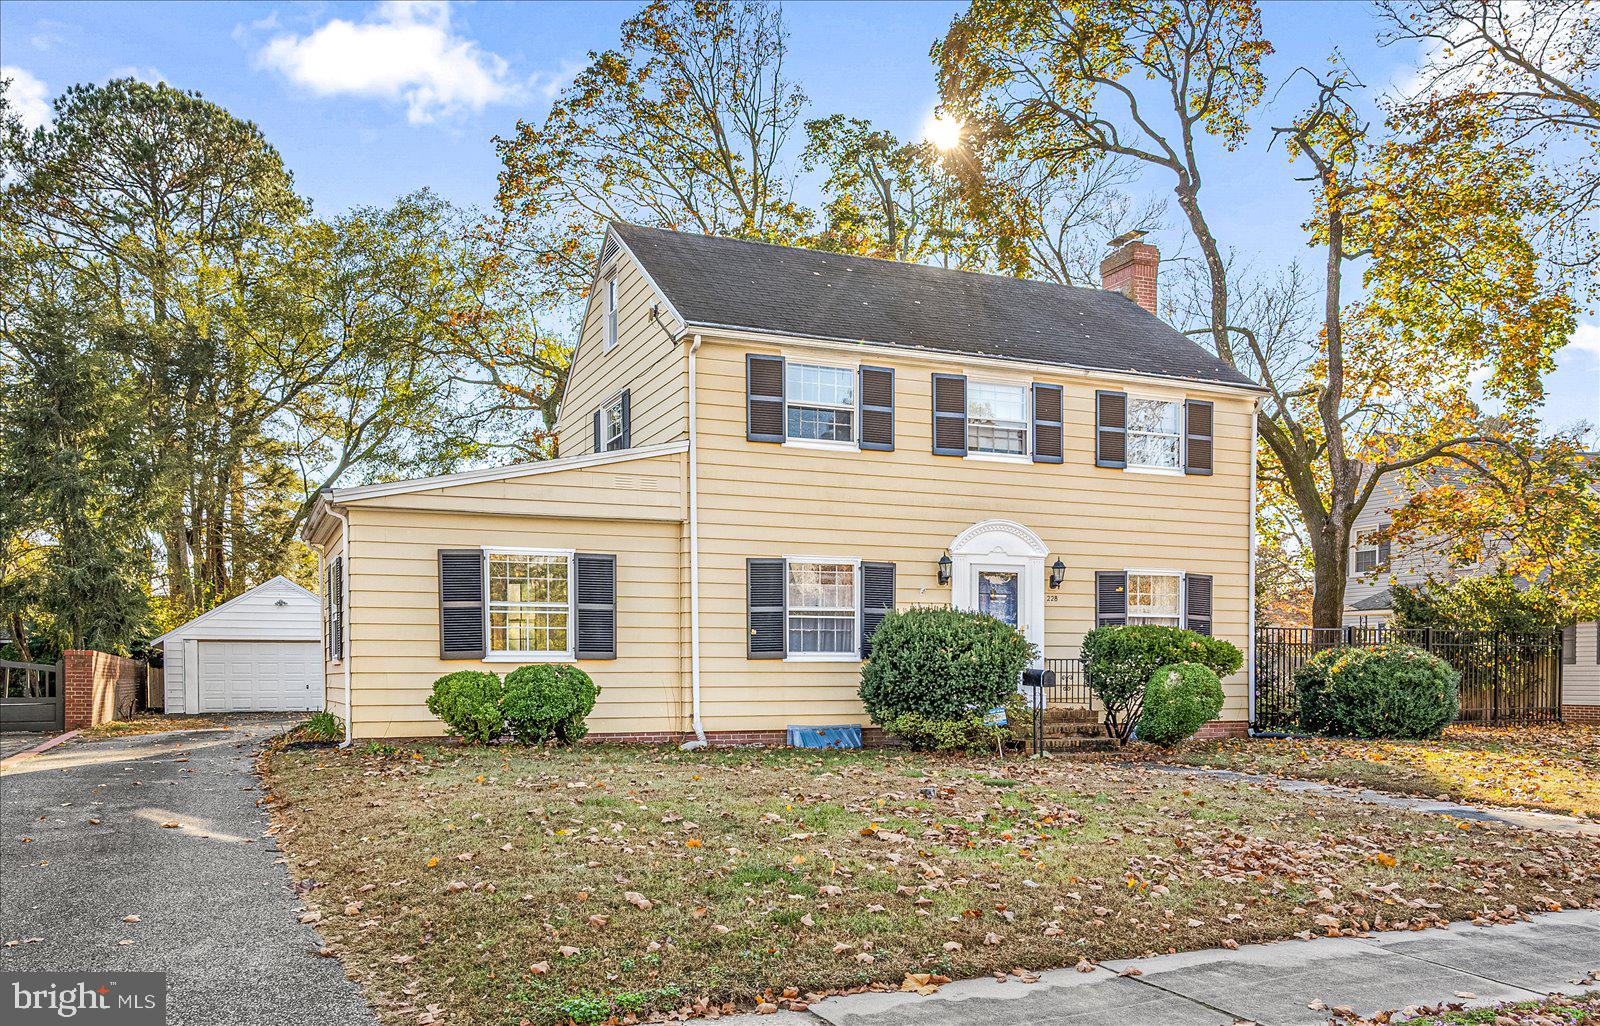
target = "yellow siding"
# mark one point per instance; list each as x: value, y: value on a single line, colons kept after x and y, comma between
x: 395, y: 632
x: 646, y: 361
x: 908, y: 505
x: 642, y: 489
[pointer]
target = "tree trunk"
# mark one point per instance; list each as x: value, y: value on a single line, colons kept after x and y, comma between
x: 1330, y: 548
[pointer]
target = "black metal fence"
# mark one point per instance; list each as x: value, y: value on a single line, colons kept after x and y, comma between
x: 1506, y: 676
x: 1071, y: 685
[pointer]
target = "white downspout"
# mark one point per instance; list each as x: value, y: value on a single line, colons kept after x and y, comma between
x: 344, y: 623
x: 1250, y: 597
x: 694, y: 562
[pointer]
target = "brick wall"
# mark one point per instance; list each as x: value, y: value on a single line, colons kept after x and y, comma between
x: 98, y: 687
x: 1581, y: 713
x: 871, y: 737
x: 1224, y: 728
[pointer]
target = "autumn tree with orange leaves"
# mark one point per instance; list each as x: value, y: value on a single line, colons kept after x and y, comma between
x: 1428, y: 278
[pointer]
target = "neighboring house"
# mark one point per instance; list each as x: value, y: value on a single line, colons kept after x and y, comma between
x: 1377, y: 566
x: 765, y: 448
x: 258, y: 652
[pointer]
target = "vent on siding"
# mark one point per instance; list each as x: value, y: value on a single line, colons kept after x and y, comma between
x: 608, y: 250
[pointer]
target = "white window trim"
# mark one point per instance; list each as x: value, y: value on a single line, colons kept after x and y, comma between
x: 822, y: 444
x: 1026, y: 455
x: 1183, y: 442
x: 613, y: 314
x: 1183, y: 590
x: 567, y: 656
x: 1378, y: 565
x: 854, y: 655
x: 602, y: 444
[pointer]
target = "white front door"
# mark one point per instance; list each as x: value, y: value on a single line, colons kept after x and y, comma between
x: 999, y: 570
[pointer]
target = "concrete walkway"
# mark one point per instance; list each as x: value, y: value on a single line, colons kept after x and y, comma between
x: 163, y: 830
x: 1290, y: 983
x: 1526, y: 819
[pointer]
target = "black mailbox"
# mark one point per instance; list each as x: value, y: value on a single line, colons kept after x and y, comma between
x: 1033, y: 677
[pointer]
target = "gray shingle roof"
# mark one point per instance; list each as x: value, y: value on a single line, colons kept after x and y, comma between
x: 730, y: 283
x: 1374, y: 602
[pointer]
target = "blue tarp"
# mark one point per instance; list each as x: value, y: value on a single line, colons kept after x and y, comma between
x: 845, y: 736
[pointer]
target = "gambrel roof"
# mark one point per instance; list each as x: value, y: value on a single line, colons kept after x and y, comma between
x: 725, y: 283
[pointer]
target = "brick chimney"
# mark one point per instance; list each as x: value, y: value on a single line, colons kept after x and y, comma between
x: 1131, y: 269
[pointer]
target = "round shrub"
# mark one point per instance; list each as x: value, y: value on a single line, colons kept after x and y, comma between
x: 1179, y: 700
x: 548, y: 701
x: 469, y: 703
x: 1388, y: 691
x: 943, y: 664
x: 970, y: 733
x: 1121, y: 661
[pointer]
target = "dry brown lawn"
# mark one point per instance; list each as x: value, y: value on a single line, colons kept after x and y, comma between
x: 1555, y: 768
x: 481, y: 886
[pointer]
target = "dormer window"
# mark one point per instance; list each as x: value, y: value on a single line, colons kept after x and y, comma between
x: 611, y: 314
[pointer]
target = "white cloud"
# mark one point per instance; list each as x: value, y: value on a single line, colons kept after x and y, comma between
x: 1585, y: 339
x: 27, y: 96
x: 142, y: 73
x: 399, y: 51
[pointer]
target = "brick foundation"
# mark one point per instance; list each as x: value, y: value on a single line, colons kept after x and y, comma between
x: 1581, y: 713
x: 871, y: 737
x: 98, y: 687
x: 1223, y: 728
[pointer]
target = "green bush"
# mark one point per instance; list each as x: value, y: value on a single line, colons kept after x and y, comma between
x: 469, y: 703
x: 1388, y: 691
x: 967, y: 733
x: 942, y: 664
x: 1179, y: 700
x: 1121, y: 661
x: 322, y: 726
x: 547, y: 701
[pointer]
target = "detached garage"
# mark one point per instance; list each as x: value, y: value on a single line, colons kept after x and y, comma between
x: 260, y: 652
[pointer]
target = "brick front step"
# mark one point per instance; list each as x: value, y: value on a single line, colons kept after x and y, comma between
x: 1070, y: 714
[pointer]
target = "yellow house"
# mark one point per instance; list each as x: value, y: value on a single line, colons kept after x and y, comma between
x: 763, y: 448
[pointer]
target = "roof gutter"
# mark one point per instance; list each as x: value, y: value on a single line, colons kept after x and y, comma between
x: 736, y: 333
x: 694, y: 562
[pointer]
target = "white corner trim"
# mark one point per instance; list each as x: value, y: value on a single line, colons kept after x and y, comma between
x: 517, y: 470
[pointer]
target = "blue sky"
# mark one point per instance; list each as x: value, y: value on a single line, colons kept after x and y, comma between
x: 368, y: 101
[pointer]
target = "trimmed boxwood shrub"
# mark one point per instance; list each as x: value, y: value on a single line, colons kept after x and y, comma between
x: 1121, y: 661
x: 942, y: 664
x: 1387, y: 691
x: 546, y: 701
x: 1179, y: 700
x: 469, y: 703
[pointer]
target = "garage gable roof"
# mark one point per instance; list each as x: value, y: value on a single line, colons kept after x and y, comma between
x: 278, y: 583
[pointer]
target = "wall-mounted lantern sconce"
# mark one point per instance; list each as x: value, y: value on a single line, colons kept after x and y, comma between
x: 1058, y: 573
x: 944, y: 568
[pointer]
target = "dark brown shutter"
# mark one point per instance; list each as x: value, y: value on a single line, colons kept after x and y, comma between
x: 877, y: 408
x: 1197, y: 603
x: 327, y: 610
x: 949, y: 415
x: 599, y: 431
x: 1110, y: 598
x: 461, y: 621
x: 767, y: 581
x: 1047, y: 401
x: 877, y: 599
x: 764, y: 412
x: 338, y: 607
x: 597, y: 606
x: 1110, y: 429
x: 1569, y: 644
x: 626, y: 441
x: 1198, y: 417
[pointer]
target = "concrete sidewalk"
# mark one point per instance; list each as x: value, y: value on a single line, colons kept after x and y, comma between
x: 1290, y: 983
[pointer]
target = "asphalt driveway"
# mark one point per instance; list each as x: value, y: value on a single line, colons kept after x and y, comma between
x: 165, y: 827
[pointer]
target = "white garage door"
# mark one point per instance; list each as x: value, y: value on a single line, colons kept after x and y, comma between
x: 251, y: 676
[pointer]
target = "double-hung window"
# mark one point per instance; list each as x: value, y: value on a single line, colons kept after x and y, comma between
x: 1155, y: 433
x: 822, y: 609
x: 821, y: 403
x: 1371, y: 553
x: 613, y: 424
x: 1155, y: 598
x: 997, y: 418
x: 530, y: 604
x: 611, y: 315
